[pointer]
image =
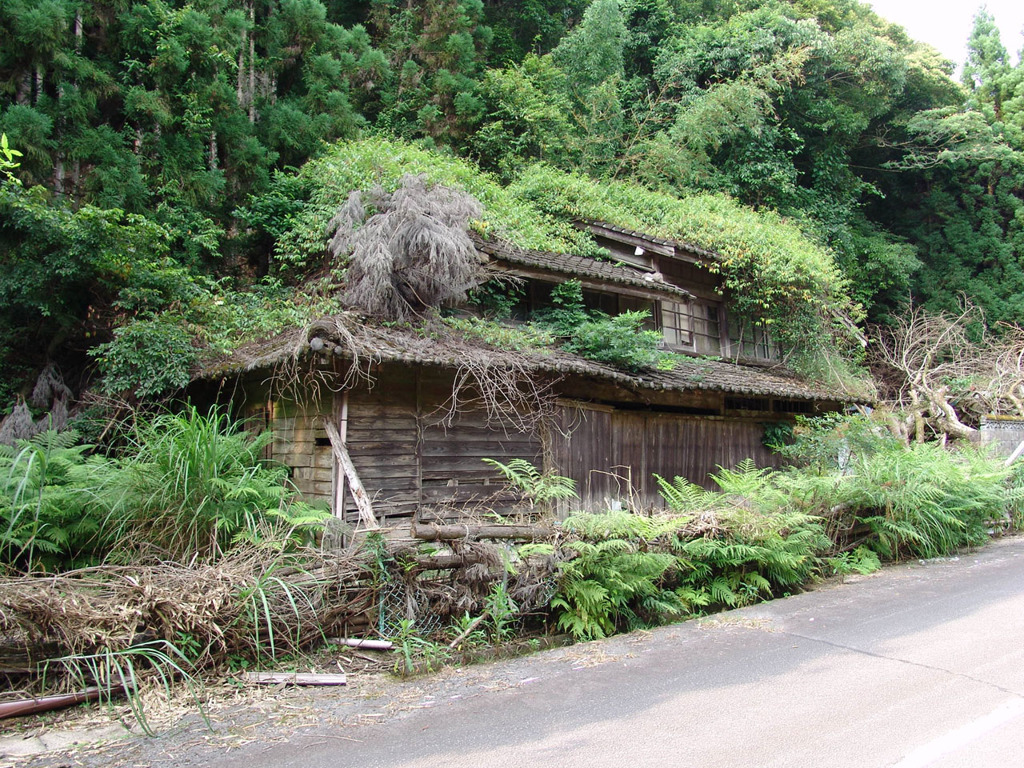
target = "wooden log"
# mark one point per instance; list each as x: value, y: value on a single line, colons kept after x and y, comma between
x: 367, y: 643
x: 294, y: 678
x: 429, y: 532
x: 362, y: 500
x: 467, y: 631
x: 440, y: 562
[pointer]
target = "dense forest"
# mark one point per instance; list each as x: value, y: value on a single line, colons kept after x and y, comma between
x: 167, y: 165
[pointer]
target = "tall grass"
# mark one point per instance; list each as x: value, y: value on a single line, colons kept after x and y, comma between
x: 190, y: 484
x: 121, y: 672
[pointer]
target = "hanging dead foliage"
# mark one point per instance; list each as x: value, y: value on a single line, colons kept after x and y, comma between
x: 407, y: 250
x: 17, y: 425
x: 49, y: 394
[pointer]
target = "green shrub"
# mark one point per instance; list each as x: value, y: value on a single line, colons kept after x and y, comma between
x: 622, y: 341
x: 147, y: 357
x: 926, y: 500
x: 539, y: 488
x: 632, y: 571
x: 921, y: 500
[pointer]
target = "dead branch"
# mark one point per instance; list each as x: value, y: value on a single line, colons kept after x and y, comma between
x: 928, y: 361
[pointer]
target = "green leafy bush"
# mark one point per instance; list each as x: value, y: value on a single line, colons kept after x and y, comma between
x: 539, y: 488
x: 622, y: 341
x: 147, y: 357
x: 921, y: 500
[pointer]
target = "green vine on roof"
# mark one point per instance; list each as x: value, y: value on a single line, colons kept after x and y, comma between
x: 773, y: 273
x: 362, y: 165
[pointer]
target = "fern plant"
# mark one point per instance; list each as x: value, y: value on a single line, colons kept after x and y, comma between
x: 683, y: 496
x: 618, y: 579
x: 539, y: 488
x: 611, y: 585
x: 45, y: 517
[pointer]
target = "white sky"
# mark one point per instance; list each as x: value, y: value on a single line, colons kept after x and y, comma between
x: 946, y: 24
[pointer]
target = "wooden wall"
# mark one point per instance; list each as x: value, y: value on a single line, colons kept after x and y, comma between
x: 613, y: 454
x: 407, y: 452
x: 413, y: 459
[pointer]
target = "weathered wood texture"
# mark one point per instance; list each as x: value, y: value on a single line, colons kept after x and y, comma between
x: 453, y: 446
x: 351, y: 479
x: 295, y: 678
x: 417, y: 460
x: 429, y: 532
x: 613, y: 455
x: 406, y: 447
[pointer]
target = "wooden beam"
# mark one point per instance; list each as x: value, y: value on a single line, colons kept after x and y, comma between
x: 655, y: 292
x: 341, y: 403
x: 24, y: 707
x: 369, y: 644
x: 429, y: 532
x: 662, y: 249
x: 366, y: 515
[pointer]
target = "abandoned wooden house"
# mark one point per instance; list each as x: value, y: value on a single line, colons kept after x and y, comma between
x: 416, y: 411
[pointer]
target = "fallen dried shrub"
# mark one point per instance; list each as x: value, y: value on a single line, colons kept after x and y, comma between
x: 253, y: 605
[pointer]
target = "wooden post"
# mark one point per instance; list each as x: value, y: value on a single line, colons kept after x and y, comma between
x: 339, y: 479
x: 366, y: 515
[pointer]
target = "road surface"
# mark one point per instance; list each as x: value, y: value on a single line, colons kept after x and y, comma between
x: 915, y: 666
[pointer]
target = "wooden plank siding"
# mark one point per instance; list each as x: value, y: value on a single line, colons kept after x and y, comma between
x: 409, y: 455
x: 455, y: 479
x: 416, y: 458
x: 613, y: 454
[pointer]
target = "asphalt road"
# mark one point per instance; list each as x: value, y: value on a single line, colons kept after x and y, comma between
x: 915, y: 666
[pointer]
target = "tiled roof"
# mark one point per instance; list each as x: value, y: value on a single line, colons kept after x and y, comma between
x: 579, y: 266
x: 679, y: 244
x: 448, y: 348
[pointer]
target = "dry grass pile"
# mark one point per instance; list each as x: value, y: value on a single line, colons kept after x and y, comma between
x: 253, y: 605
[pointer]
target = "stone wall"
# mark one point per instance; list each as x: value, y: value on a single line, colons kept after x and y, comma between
x: 1002, y: 433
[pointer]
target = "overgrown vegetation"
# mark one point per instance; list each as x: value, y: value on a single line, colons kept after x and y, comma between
x: 183, y: 485
x: 238, y: 170
x: 151, y: 183
x: 774, y: 272
x: 623, y: 341
x: 223, y: 575
x: 858, y: 496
